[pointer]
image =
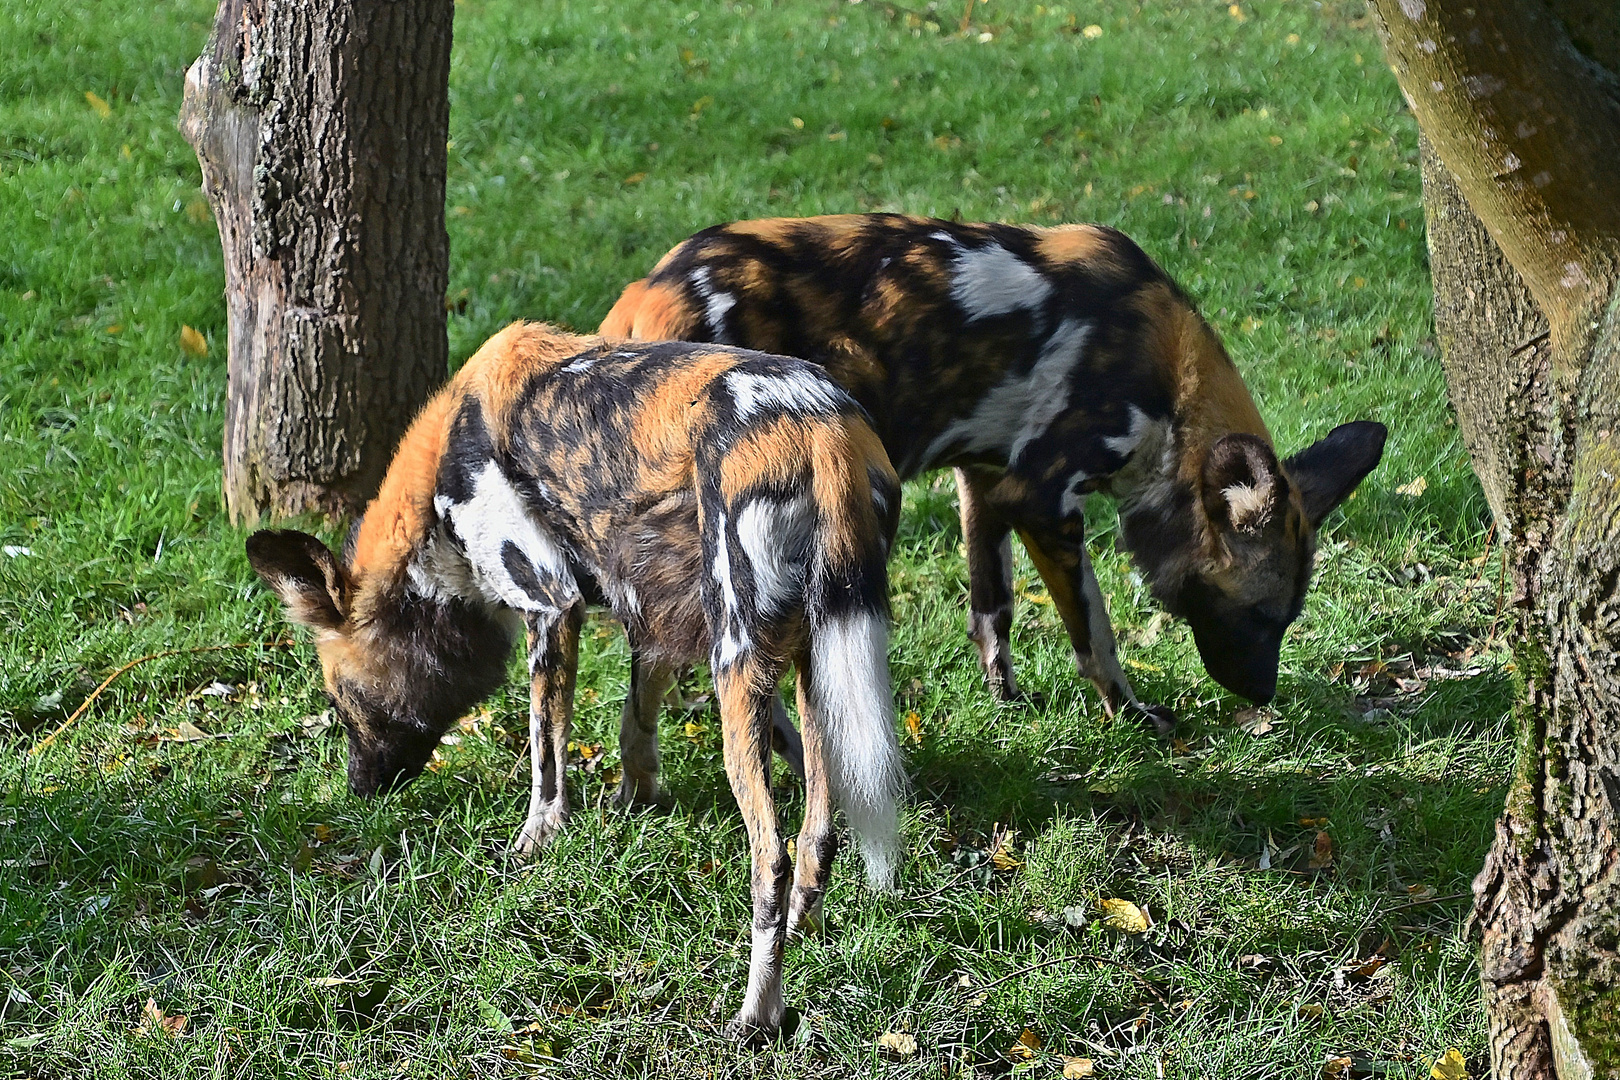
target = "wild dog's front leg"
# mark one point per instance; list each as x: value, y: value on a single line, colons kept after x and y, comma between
x: 553, y: 660
x: 990, y: 593
x: 745, y: 716
x: 638, y: 731
x: 1065, y: 567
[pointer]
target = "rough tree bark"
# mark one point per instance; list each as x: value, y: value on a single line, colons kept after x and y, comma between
x: 321, y: 128
x: 1520, y: 109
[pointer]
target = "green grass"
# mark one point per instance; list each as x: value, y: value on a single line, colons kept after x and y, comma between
x: 233, y: 879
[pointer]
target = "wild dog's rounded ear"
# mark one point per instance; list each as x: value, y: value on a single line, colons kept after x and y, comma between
x: 304, y: 573
x: 1242, y: 482
x: 1329, y: 469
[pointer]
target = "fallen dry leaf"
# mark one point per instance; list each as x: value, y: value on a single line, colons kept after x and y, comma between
x: 185, y: 732
x: 98, y: 103
x: 155, y: 1021
x: 1257, y: 721
x: 1074, y: 1068
x: 1417, y: 486
x: 1092, y: 31
x: 1002, y: 858
x: 1027, y: 1046
x: 192, y: 342
x: 1124, y: 915
x: 1321, y: 851
x: 1310, y: 1011
x: 1236, y: 13
x: 1451, y: 1066
x: 897, y: 1044
x: 1335, y: 1067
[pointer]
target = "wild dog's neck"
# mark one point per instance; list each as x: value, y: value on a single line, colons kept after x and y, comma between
x: 1159, y: 490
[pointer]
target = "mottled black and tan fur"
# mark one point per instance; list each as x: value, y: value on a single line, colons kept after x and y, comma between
x: 731, y: 507
x: 1042, y: 364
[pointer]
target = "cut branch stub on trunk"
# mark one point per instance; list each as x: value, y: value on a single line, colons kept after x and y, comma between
x: 321, y: 130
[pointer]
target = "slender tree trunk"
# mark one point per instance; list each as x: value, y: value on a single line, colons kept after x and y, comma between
x: 321, y: 128
x: 1521, y: 116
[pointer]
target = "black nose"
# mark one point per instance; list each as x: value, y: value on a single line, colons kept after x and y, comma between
x: 1248, y: 668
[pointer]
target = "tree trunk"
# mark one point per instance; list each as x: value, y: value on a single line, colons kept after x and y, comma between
x: 321, y: 129
x: 1521, y: 117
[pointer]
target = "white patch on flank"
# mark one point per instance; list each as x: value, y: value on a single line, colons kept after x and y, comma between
x: 716, y: 304
x: 1047, y: 386
x: 584, y: 363
x: 993, y: 281
x: 485, y: 523
x: 1149, y: 472
x: 1123, y: 445
x: 770, y: 532
x: 800, y: 390
x: 1020, y: 406
x: 1073, y: 502
x: 734, y: 639
x: 849, y: 674
x: 722, y: 566
x: 762, y: 1004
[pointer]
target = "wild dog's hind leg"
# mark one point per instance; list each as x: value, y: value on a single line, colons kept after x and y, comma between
x: 818, y: 839
x: 553, y: 640
x: 745, y: 694
x: 990, y: 593
x: 1065, y: 567
x: 638, y: 730
x: 785, y: 737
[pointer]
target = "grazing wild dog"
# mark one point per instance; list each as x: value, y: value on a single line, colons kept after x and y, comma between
x: 1042, y: 364
x: 730, y: 506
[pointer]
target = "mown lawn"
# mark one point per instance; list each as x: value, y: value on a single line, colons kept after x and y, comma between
x: 189, y: 840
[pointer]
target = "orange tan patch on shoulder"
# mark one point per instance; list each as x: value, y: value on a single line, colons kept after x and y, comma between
x: 621, y: 319
x: 659, y: 313
x: 398, y: 517
x: 662, y: 426
x: 498, y: 372
x: 1065, y: 245
x: 770, y: 230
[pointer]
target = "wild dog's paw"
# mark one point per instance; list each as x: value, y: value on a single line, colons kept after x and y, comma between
x: 637, y: 793
x: 805, y: 919
x: 537, y: 833
x: 1162, y: 719
x: 756, y: 1033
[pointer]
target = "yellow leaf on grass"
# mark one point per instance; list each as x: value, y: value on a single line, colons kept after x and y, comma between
x: 1092, y: 31
x: 914, y: 727
x: 1450, y: 1067
x: 98, y: 103
x: 635, y: 178
x: 898, y: 1044
x: 1027, y: 1046
x: 1124, y: 915
x: 1236, y: 13
x: 154, y: 1021
x: 193, y: 342
x: 1321, y: 851
x: 1075, y: 1068
x: 1412, y: 490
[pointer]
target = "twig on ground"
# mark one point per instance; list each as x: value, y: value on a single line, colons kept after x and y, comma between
x: 108, y: 681
x: 1428, y: 900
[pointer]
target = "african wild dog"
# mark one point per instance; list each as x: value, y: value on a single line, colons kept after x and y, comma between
x: 1042, y: 364
x: 730, y: 506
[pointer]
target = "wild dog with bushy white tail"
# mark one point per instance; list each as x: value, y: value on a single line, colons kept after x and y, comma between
x: 729, y: 506
x: 1042, y: 364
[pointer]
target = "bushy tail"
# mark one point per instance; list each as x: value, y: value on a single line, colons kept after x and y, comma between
x: 847, y: 604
